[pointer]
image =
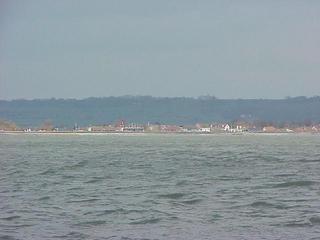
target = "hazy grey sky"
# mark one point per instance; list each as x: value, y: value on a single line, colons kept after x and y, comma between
x: 230, y: 49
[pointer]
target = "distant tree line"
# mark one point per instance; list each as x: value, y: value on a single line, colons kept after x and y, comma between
x: 8, y: 125
x: 144, y: 109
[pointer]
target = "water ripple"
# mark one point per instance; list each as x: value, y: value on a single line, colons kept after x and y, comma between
x: 303, y: 183
x: 159, y: 187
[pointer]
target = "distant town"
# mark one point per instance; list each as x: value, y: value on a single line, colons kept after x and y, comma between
x: 121, y: 126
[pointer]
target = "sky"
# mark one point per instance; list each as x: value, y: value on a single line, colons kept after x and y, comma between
x: 169, y: 48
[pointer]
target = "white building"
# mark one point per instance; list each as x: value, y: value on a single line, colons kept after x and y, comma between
x: 205, y: 130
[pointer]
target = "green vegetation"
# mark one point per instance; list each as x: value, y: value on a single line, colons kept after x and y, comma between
x: 144, y: 109
x: 46, y: 126
x: 7, y: 126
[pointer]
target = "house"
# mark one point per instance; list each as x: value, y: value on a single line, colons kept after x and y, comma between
x: 133, y: 128
x: 205, y: 130
x: 190, y: 129
x: 227, y: 128
x: 102, y: 128
x: 270, y: 129
x: 152, y: 128
x: 170, y: 128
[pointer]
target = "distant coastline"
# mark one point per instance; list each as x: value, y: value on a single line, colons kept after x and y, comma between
x: 66, y: 113
x: 83, y: 133
x: 146, y: 114
x: 121, y: 126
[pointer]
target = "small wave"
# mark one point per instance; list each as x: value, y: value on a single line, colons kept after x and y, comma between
x: 215, y: 217
x: 294, y: 184
x: 297, y: 224
x: 296, y: 200
x: 7, y: 237
x: 128, y: 238
x: 84, y: 200
x: 269, y: 158
x: 80, y: 164
x: 95, y: 180
x: 192, y: 201
x: 14, y: 172
x: 75, y: 195
x: 151, y: 201
x: 68, y: 177
x: 112, y: 211
x: 92, y: 223
x: 2, y: 179
x: 172, y: 195
x: 48, y: 172
x: 314, y: 220
x: 230, y: 178
x: 16, y: 225
x: 43, y: 185
x: 10, y: 218
x: 309, y: 160
x: 285, y: 175
x: 75, y: 188
x: 146, y: 221
x: 107, y: 212
x: 43, y: 198
x: 263, y: 204
x: 182, y: 183
x: 73, y: 235
x: 4, y: 191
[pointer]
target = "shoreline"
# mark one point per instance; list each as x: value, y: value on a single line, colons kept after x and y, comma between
x: 154, y: 133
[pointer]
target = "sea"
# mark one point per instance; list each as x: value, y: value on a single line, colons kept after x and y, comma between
x: 159, y: 186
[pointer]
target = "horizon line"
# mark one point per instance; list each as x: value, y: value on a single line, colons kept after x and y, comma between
x: 201, y: 97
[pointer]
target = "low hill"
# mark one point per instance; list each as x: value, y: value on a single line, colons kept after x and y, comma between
x: 143, y: 109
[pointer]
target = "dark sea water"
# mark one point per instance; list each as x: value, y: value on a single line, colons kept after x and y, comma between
x: 159, y: 187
